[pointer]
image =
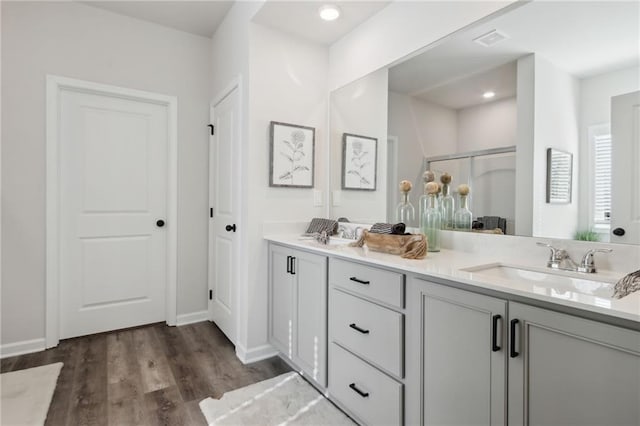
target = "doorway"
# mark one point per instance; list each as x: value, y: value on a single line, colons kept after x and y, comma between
x: 111, y: 208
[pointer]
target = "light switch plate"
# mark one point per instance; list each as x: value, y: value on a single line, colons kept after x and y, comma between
x: 317, y: 198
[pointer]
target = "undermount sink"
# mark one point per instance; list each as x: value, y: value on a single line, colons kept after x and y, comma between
x: 335, y: 241
x: 560, y: 281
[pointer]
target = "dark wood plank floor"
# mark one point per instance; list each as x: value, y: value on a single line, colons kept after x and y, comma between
x: 151, y: 375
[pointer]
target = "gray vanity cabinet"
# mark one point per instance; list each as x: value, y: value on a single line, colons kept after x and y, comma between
x: 565, y: 370
x: 456, y: 356
x: 298, y: 309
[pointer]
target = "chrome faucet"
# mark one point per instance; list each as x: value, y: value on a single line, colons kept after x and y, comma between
x: 587, y: 264
x: 559, y: 258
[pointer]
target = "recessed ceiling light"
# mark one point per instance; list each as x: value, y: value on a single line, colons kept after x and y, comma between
x: 488, y: 95
x: 329, y: 12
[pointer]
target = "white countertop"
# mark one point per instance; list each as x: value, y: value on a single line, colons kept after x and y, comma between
x: 449, y: 265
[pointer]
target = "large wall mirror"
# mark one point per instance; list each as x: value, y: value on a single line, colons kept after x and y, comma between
x: 486, y: 105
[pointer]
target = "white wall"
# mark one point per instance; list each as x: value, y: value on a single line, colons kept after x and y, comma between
x: 78, y: 41
x: 488, y: 125
x: 230, y: 60
x: 423, y: 129
x: 595, y: 108
x: 287, y: 83
x: 361, y: 109
x: 556, y: 111
x: 398, y: 30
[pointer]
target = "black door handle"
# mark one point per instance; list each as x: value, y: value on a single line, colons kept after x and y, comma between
x: 618, y: 232
x: 160, y: 223
x: 494, y: 343
x: 293, y: 265
x: 230, y: 228
x: 361, y: 330
x: 288, y: 264
x: 512, y: 349
x: 358, y: 391
x: 359, y: 281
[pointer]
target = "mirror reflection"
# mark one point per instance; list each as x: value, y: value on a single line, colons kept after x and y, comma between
x: 485, y: 106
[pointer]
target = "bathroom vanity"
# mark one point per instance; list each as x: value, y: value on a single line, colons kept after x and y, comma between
x: 454, y: 338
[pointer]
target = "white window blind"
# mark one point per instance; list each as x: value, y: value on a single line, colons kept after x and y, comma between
x: 601, y: 177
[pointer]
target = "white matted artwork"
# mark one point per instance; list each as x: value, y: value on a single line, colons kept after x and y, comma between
x: 291, y: 155
x: 359, y: 162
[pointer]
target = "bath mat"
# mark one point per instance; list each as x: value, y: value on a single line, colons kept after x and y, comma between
x: 26, y: 394
x: 286, y: 399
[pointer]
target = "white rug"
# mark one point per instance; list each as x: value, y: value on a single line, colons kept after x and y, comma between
x: 26, y: 394
x: 284, y: 400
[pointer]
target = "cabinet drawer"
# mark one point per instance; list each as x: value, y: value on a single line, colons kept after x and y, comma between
x: 381, y: 399
x: 367, y: 329
x: 385, y: 286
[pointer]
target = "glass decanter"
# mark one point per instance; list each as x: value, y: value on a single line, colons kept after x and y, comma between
x: 447, y: 202
x: 423, y: 203
x: 463, y: 217
x: 431, y: 220
x: 405, y: 212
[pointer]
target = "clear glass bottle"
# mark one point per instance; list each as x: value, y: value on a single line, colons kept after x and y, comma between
x: 431, y: 223
x: 447, y: 205
x: 463, y: 216
x: 405, y: 212
x: 423, y: 203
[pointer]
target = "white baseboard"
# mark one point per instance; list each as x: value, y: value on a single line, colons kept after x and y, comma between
x: 21, y: 348
x: 184, y: 319
x: 247, y: 356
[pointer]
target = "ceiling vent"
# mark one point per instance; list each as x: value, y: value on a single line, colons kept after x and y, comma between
x: 491, y: 38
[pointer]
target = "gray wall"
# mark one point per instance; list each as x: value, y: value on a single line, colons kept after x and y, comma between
x: 79, y: 41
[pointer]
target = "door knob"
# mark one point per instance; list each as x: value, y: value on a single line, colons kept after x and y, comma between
x: 160, y: 223
x: 230, y: 228
x: 618, y: 232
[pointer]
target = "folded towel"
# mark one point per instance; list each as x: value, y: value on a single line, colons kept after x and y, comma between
x: 318, y: 225
x: 388, y: 228
x: 627, y: 285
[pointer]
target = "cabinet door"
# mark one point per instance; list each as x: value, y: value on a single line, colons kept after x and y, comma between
x: 310, y: 342
x: 280, y: 300
x: 456, y: 357
x: 566, y: 370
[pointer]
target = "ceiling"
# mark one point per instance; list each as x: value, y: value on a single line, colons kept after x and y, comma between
x: 467, y: 91
x: 301, y: 19
x: 583, y: 38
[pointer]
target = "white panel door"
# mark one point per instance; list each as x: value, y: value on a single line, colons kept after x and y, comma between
x: 625, y: 173
x: 223, y: 223
x: 113, y: 190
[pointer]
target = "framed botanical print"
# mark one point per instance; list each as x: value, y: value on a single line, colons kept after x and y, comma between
x: 291, y: 155
x: 359, y: 162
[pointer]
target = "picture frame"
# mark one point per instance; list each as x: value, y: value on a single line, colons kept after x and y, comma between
x: 291, y: 155
x: 359, y: 162
x: 559, y: 176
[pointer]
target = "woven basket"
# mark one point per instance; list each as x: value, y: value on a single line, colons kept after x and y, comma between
x: 407, y: 246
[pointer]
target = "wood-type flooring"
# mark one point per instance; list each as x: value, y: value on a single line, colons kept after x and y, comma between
x: 150, y: 375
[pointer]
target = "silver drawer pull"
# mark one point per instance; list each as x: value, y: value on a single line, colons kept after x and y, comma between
x: 361, y: 330
x: 358, y: 391
x: 359, y: 281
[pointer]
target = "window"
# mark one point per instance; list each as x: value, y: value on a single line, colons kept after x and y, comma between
x: 600, y: 137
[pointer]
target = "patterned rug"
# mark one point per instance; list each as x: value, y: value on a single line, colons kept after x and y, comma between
x: 26, y: 394
x: 284, y: 400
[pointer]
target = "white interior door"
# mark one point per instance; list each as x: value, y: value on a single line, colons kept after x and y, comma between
x: 625, y: 169
x: 113, y: 189
x: 223, y: 223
